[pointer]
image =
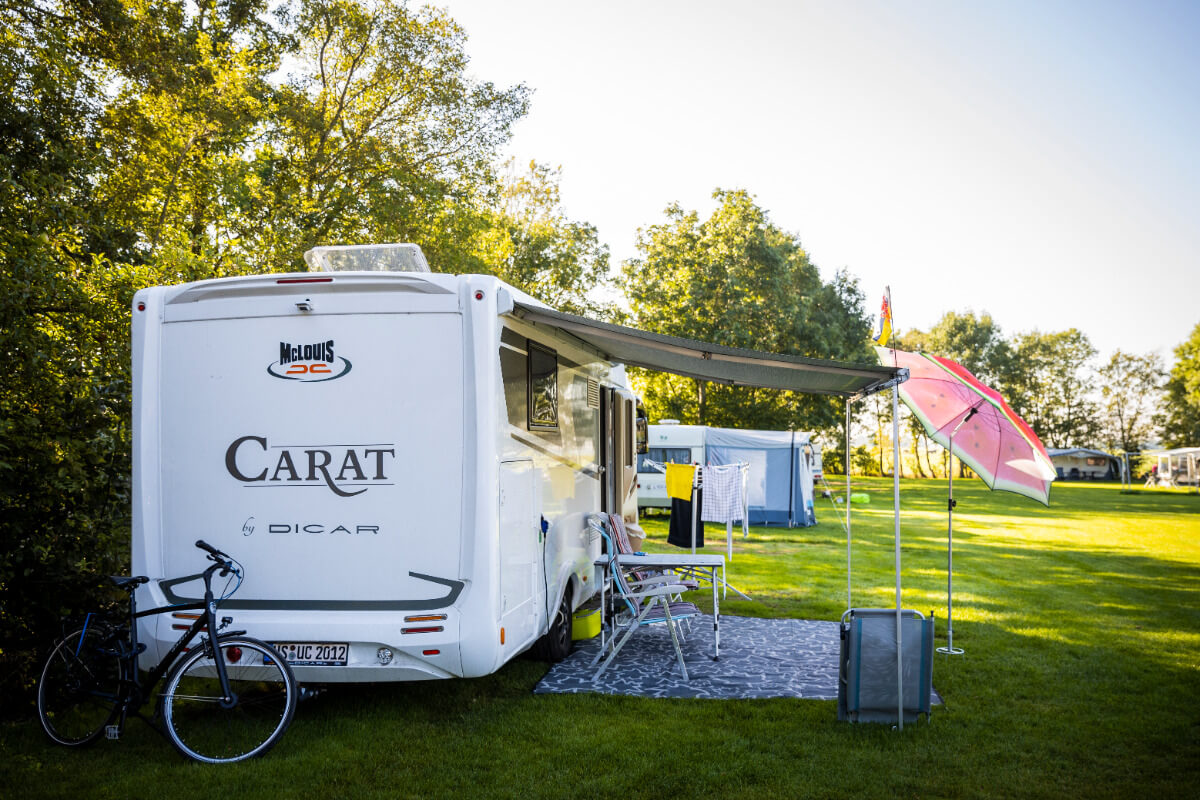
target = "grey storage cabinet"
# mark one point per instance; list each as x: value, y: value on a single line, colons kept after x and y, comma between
x: 867, y: 680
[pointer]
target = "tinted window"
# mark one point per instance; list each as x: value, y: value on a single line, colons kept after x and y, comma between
x: 664, y: 455
x: 514, y: 371
x: 543, y: 387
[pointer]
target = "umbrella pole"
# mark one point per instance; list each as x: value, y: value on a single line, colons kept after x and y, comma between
x: 950, y: 649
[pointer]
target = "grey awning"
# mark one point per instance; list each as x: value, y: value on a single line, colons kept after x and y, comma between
x: 713, y: 362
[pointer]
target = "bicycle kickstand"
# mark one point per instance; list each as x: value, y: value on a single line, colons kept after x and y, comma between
x: 114, y: 731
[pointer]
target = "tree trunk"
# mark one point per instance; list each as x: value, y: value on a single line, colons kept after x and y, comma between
x: 879, y: 437
x: 917, y: 457
x: 700, y: 400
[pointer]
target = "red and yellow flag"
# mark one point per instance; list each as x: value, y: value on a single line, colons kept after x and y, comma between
x: 884, y: 335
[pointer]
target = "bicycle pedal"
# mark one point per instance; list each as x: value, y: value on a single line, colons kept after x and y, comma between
x: 112, y: 731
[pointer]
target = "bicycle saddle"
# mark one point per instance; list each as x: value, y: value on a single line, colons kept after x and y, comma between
x: 124, y: 582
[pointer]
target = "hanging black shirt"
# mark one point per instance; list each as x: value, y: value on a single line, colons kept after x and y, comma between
x: 680, y: 533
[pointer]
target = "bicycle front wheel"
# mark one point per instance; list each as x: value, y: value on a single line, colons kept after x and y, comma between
x: 263, y: 685
x: 80, y: 688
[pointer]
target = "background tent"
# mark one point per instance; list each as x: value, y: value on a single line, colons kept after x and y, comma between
x: 780, y: 486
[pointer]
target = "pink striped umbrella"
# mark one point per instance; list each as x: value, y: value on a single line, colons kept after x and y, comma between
x: 973, y: 422
x: 988, y: 435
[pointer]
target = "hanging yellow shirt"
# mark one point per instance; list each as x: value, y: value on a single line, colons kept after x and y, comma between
x: 679, y: 481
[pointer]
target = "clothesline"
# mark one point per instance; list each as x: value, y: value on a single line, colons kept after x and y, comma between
x: 725, y: 499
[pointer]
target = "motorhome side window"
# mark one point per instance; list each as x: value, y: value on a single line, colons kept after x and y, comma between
x: 543, y: 388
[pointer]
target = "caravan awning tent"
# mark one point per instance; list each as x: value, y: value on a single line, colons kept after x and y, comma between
x: 713, y: 362
x: 737, y: 367
x: 780, y: 488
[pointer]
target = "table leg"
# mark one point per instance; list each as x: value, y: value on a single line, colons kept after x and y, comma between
x: 712, y: 574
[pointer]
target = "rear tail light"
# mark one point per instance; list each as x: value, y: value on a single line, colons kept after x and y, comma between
x: 182, y: 615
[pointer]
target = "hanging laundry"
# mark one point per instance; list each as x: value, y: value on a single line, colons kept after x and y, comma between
x: 680, y: 532
x: 722, y: 494
x: 679, y: 481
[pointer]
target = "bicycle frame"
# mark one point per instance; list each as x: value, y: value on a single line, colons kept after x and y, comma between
x: 207, y: 621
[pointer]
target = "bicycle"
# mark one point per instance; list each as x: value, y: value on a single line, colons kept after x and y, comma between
x: 229, y: 698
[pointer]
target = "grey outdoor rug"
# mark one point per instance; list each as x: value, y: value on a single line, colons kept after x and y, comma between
x: 759, y: 658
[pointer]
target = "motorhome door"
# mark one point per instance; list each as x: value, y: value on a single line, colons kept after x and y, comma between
x: 618, y: 449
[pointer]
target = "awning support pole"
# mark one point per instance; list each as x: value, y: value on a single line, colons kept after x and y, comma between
x: 849, y: 605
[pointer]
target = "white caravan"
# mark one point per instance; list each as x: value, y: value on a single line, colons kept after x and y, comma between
x: 401, y: 463
x: 670, y: 442
x: 402, y: 460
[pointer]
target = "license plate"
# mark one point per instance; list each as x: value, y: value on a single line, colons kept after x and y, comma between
x: 313, y: 654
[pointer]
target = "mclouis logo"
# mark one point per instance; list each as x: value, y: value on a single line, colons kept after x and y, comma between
x: 308, y: 363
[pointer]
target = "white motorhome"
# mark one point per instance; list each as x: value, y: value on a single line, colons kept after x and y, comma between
x: 402, y: 464
x: 403, y: 460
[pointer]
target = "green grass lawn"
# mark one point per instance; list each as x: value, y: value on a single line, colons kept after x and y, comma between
x: 1081, y: 624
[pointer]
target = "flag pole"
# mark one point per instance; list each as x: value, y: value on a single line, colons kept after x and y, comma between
x: 896, y: 515
x: 885, y: 339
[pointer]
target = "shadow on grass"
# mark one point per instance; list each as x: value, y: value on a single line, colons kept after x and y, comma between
x: 1081, y: 626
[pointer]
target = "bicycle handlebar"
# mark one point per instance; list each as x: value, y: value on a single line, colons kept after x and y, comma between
x: 203, y: 545
x: 223, y: 560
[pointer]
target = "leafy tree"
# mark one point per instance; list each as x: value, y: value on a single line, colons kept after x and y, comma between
x: 145, y: 143
x: 738, y: 280
x: 1049, y: 383
x: 530, y: 242
x: 63, y: 445
x: 1131, y: 389
x: 975, y: 342
x: 177, y: 126
x: 1181, y: 417
x: 862, y: 462
x: 379, y: 134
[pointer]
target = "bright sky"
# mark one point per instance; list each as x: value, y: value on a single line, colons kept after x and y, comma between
x: 1036, y: 160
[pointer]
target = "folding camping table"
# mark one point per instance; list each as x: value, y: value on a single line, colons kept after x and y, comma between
x: 693, y: 562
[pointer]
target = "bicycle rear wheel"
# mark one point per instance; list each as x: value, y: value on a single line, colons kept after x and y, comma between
x: 79, y: 692
x: 266, y: 693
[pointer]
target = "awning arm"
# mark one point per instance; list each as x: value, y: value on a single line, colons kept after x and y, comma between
x: 901, y: 377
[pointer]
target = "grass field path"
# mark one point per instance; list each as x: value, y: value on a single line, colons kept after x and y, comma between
x: 1081, y: 624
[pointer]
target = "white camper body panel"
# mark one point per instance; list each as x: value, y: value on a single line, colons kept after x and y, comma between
x: 354, y: 441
